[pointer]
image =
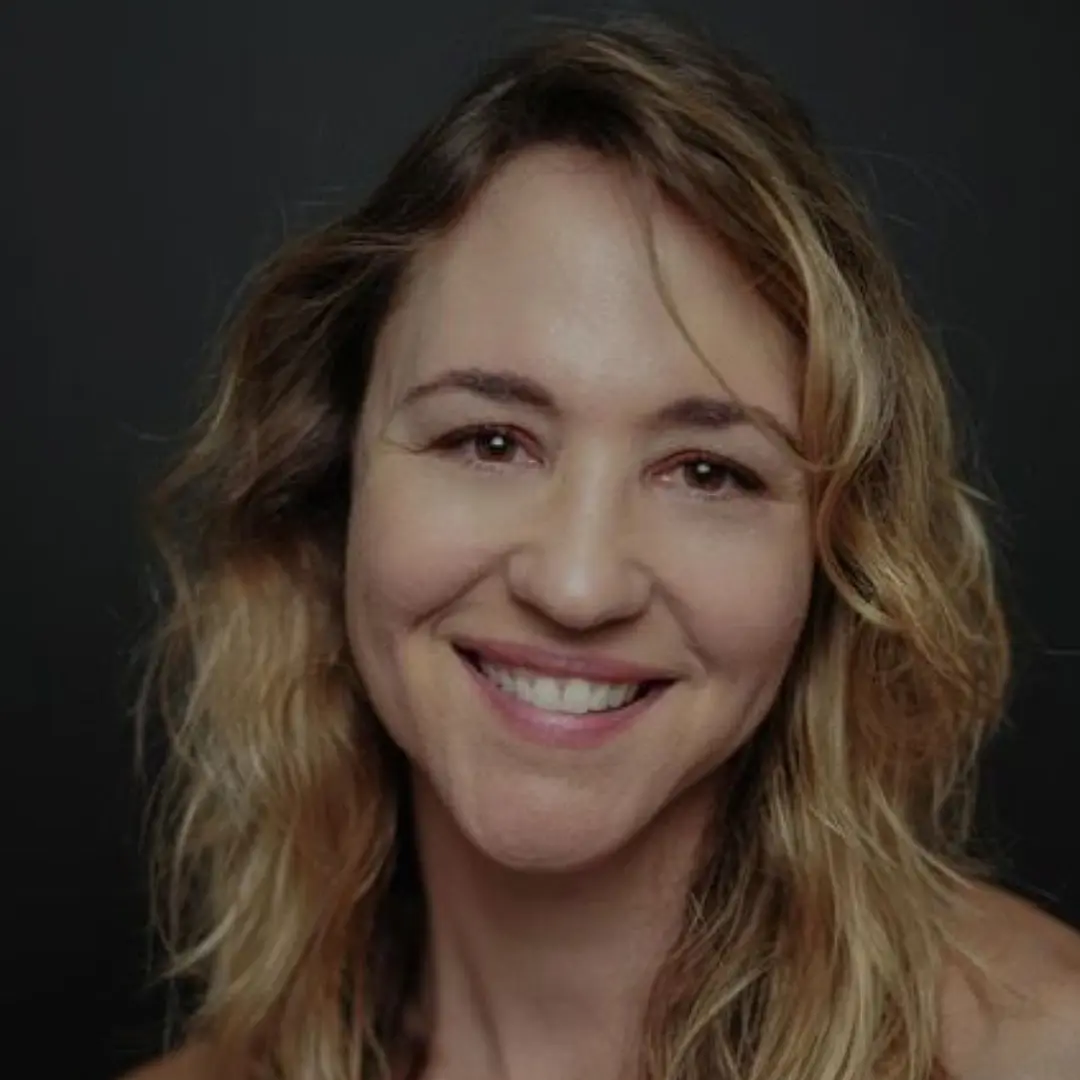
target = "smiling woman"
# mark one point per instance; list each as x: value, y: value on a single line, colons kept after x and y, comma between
x: 581, y: 636
x: 596, y: 530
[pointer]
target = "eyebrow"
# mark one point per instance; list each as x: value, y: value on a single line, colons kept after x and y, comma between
x: 509, y: 388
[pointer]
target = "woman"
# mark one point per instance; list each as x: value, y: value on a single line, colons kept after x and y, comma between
x: 581, y: 637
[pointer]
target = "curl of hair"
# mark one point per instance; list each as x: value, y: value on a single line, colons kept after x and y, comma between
x: 816, y: 930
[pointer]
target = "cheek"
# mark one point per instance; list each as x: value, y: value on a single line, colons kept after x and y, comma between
x: 413, y: 547
x: 747, y: 609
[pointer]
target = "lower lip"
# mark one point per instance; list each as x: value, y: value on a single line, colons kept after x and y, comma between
x: 580, y: 731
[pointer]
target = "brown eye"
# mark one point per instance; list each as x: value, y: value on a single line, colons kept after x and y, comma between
x: 481, y: 444
x: 493, y: 444
x: 706, y: 475
x: 709, y: 476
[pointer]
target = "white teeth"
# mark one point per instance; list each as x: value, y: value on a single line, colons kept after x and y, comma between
x: 560, y: 695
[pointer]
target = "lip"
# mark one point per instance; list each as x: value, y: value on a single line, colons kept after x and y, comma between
x: 562, y: 664
x: 571, y: 731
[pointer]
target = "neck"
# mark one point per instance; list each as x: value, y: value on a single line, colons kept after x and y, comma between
x: 533, y: 976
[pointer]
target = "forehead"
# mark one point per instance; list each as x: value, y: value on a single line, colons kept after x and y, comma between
x: 549, y: 274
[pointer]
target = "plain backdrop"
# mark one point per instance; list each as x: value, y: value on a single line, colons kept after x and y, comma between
x: 153, y: 151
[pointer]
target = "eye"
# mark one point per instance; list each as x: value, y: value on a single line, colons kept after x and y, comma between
x: 481, y: 444
x: 711, y: 477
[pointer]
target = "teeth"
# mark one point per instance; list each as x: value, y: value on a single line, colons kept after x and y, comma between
x: 560, y: 695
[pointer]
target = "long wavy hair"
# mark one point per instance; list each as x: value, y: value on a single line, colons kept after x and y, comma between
x: 816, y: 933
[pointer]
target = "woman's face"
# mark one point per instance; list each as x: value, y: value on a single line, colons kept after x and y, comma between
x: 544, y: 464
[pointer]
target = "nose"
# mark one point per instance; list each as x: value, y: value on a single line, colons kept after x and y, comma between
x: 577, y: 565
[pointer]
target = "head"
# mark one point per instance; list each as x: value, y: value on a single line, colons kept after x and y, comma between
x: 525, y: 475
x: 611, y: 364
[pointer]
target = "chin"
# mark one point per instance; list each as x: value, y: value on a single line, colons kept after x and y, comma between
x: 521, y: 823
x: 546, y: 825
x: 545, y: 850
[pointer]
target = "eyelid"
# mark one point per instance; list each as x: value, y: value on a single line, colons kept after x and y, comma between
x: 748, y: 480
x: 456, y: 438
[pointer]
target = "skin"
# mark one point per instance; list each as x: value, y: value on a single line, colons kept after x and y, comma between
x: 544, y: 864
x: 1030, y: 1031
x: 1026, y: 1025
x: 555, y: 876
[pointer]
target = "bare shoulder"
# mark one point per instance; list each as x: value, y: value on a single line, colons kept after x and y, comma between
x: 1022, y: 1020
x: 194, y: 1062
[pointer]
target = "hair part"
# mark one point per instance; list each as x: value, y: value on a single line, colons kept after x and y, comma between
x: 816, y: 931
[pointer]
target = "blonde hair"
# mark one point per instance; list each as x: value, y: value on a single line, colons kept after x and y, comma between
x: 816, y: 932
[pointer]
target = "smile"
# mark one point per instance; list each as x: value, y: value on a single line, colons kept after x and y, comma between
x: 558, y: 712
x: 576, y: 696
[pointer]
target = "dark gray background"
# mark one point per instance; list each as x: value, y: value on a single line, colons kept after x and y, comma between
x: 152, y: 151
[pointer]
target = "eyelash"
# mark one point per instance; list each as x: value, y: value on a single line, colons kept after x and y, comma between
x: 455, y: 443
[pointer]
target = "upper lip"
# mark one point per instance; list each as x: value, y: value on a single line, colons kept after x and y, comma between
x: 561, y: 663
